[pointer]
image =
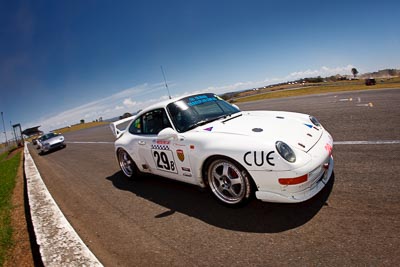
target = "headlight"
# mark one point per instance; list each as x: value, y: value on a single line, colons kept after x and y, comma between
x: 315, y: 121
x: 285, y: 151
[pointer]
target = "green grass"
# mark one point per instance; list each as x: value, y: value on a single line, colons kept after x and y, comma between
x: 80, y: 126
x: 283, y: 91
x: 8, y: 173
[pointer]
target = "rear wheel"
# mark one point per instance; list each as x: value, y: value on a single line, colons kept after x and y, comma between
x: 229, y: 182
x: 126, y: 164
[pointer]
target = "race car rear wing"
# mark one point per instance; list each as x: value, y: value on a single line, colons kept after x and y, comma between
x: 123, y: 124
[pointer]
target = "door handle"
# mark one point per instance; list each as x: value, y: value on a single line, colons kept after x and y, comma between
x: 141, y: 142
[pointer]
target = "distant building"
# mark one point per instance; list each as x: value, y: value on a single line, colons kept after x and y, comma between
x: 34, y: 131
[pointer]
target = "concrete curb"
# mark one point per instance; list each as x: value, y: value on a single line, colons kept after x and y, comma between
x: 59, y: 244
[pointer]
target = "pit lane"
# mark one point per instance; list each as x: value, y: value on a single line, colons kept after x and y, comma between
x: 154, y: 221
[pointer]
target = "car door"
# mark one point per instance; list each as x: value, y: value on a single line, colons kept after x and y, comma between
x: 167, y: 158
x: 154, y: 156
x: 171, y: 159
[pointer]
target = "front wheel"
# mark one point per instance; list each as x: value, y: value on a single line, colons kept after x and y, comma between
x: 126, y: 164
x: 229, y: 182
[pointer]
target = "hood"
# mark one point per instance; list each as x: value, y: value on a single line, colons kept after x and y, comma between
x: 54, y: 140
x: 294, y: 129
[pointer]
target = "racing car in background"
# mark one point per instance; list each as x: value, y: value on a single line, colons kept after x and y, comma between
x: 203, y: 140
x: 50, y: 141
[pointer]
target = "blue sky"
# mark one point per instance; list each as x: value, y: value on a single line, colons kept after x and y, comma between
x: 62, y: 61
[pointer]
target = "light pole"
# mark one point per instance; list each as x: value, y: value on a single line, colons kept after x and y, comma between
x: 4, y: 127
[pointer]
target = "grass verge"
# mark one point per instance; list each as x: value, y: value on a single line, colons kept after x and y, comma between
x: 80, y: 126
x: 8, y: 172
x: 316, y: 89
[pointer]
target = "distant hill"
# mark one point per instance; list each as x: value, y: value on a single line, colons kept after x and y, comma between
x: 386, y: 73
x: 310, y: 81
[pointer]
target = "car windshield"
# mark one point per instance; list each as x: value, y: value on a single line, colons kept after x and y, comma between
x: 47, y: 136
x: 193, y: 111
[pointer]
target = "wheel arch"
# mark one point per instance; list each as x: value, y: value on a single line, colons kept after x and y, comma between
x: 120, y: 148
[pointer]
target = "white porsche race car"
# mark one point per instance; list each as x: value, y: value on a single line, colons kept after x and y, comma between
x: 202, y: 140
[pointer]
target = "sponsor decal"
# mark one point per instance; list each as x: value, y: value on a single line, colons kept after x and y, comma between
x: 257, y: 130
x: 164, y: 160
x: 258, y: 158
x: 187, y: 174
x: 208, y: 129
x: 191, y: 146
x: 328, y: 148
x: 176, y: 144
x: 185, y: 169
x: 200, y: 99
x: 180, y: 154
x: 161, y: 142
x: 160, y: 147
x: 308, y: 125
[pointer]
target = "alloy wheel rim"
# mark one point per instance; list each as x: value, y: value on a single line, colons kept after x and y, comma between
x: 125, y: 163
x: 227, y: 182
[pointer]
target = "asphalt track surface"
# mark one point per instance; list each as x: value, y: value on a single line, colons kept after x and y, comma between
x: 355, y: 220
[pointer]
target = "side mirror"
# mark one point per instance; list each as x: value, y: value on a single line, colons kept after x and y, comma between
x: 167, y: 134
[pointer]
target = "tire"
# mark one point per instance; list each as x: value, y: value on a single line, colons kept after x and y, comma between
x: 127, y: 165
x: 229, y: 182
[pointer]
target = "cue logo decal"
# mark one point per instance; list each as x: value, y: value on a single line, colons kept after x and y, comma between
x: 259, y: 158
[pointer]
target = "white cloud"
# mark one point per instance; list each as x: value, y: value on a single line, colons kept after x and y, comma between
x: 323, y: 72
x: 108, y: 107
x: 129, y: 103
x: 145, y: 95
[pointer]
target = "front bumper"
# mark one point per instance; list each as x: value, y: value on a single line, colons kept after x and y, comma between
x: 46, y: 148
x: 295, y: 197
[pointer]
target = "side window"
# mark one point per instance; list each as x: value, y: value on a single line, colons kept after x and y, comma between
x: 136, y: 127
x: 151, y: 122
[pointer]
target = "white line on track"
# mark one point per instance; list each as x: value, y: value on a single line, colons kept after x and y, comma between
x: 87, y: 142
x: 378, y: 142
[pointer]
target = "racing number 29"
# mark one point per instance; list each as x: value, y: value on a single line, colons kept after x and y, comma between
x: 163, y: 162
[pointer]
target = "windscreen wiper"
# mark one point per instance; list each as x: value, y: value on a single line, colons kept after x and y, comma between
x: 197, y: 124
x: 231, y: 118
x: 202, y: 122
